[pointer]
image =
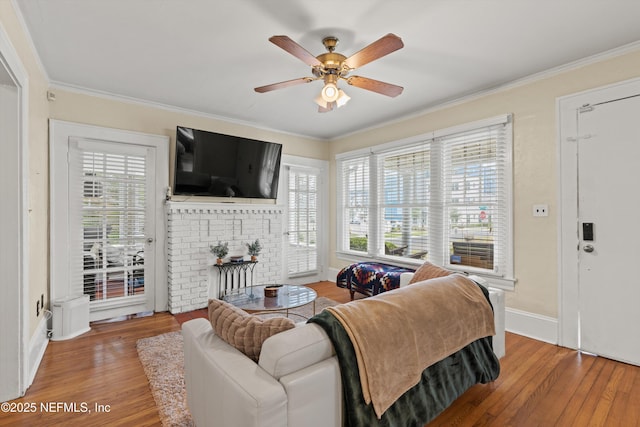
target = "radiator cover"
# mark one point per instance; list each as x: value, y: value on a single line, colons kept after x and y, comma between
x: 70, y: 317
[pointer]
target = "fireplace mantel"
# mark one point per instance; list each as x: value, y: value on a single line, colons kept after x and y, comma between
x: 219, y: 207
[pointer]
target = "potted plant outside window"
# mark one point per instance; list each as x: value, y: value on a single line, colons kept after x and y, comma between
x: 220, y: 250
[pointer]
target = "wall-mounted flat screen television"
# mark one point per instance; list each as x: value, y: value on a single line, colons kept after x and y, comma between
x: 214, y: 164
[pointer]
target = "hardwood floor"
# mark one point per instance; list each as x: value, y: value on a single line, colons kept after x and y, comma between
x: 100, y: 367
x: 539, y: 384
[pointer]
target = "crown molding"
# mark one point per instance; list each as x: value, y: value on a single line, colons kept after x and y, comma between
x: 171, y: 108
x: 532, y: 78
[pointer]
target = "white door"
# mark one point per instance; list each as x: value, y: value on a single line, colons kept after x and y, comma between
x: 608, y: 150
x: 112, y: 225
x: 304, y: 194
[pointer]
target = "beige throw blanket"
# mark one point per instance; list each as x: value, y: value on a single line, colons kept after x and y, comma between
x: 398, y: 334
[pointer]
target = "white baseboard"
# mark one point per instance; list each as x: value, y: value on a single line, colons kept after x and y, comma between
x: 37, y: 346
x: 332, y: 274
x: 536, y: 326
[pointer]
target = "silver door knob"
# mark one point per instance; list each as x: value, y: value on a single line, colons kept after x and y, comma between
x: 150, y: 240
x: 588, y: 248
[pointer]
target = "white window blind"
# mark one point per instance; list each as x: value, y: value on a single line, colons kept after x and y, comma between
x: 355, y: 204
x: 404, y: 201
x: 302, y: 255
x: 107, y: 210
x: 446, y: 199
x: 475, y: 199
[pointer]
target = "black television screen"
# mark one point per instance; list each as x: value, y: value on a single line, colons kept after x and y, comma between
x: 214, y: 164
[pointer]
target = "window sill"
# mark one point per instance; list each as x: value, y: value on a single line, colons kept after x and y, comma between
x: 500, y: 282
x: 507, y: 284
x: 361, y: 257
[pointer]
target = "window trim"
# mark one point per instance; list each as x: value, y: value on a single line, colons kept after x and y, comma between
x: 505, y: 279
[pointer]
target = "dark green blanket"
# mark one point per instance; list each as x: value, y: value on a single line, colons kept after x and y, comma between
x: 441, y: 383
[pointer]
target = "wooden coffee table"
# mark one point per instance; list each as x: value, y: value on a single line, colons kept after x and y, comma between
x: 252, y: 299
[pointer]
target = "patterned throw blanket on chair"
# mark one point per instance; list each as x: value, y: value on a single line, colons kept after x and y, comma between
x: 370, y: 278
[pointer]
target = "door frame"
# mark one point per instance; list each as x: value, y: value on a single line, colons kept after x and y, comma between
x: 14, y: 305
x: 323, y: 214
x: 60, y: 133
x: 568, y: 238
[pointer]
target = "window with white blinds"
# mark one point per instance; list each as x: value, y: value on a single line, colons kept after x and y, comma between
x: 404, y: 201
x: 302, y: 230
x: 475, y: 200
x: 443, y: 197
x: 355, y: 206
x: 108, y: 202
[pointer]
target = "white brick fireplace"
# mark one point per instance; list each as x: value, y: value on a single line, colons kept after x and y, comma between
x: 192, y: 227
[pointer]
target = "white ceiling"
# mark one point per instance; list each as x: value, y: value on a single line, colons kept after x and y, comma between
x: 207, y: 56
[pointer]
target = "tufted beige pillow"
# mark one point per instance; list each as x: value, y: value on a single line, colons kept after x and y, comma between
x: 429, y: 271
x: 242, y: 330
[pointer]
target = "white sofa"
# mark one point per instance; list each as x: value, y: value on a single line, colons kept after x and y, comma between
x: 296, y: 382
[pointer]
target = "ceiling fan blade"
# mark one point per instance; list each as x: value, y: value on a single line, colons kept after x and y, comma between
x: 375, y: 86
x: 282, y: 85
x: 378, y: 49
x: 296, y: 50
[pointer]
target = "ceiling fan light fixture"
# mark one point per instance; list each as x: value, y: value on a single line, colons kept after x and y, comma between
x: 320, y: 101
x: 330, y: 92
x: 343, y: 98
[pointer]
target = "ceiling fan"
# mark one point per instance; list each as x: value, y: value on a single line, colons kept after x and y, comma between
x: 332, y: 67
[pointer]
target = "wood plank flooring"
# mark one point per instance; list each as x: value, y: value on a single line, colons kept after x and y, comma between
x: 539, y: 384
